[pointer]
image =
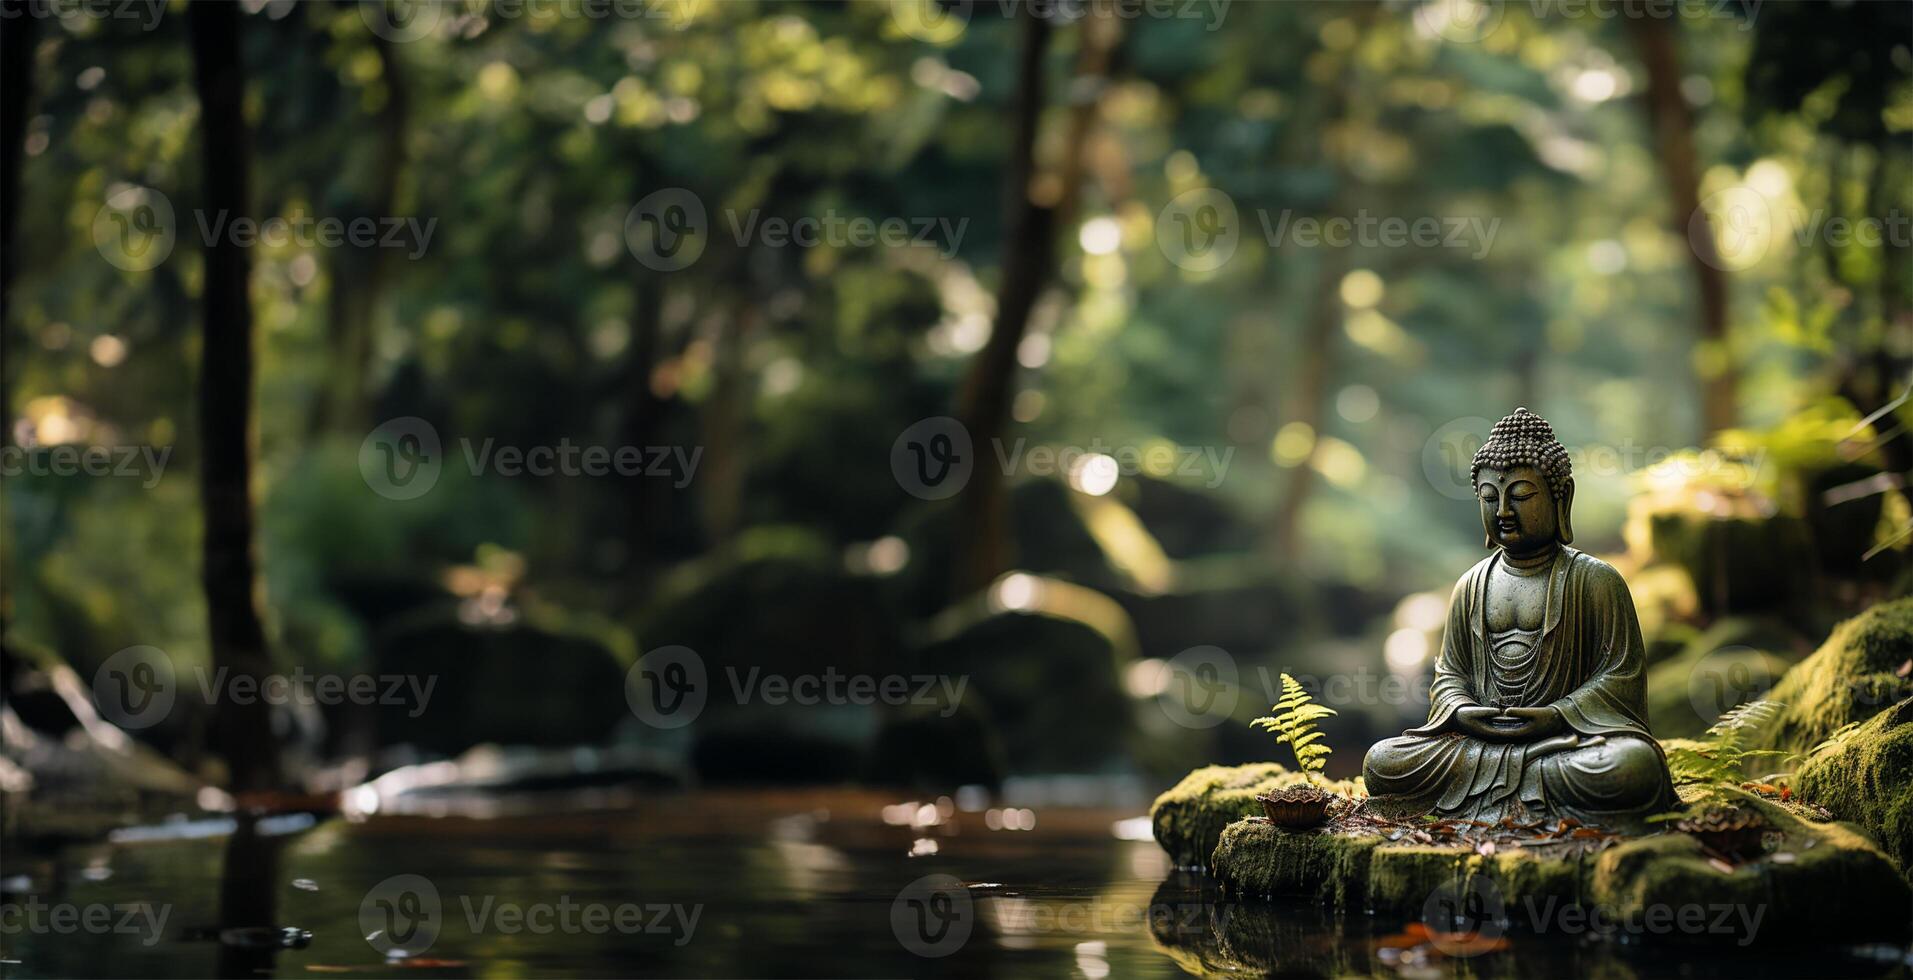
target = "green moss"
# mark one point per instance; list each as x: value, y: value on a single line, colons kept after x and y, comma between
x: 1188, y: 819
x: 1868, y: 778
x: 1257, y: 860
x: 1853, y: 676
x: 1790, y: 894
x: 1784, y: 894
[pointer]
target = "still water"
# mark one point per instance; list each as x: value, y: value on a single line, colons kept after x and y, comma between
x: 729, y: 884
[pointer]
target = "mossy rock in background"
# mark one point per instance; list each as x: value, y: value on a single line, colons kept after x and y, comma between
x: 1047, y: 532
x: 1854, y: 675
x: 1186, y: 520
x: 1050, y: 687
x: 1623, y: 881
x: 1737, y: 659
x: 1189, y: 817
x: 785, y: 605
x: 510, y: 685
x: 1868, y: 778
x: 1842, y: 532
x: 937, y: 748
x: 1738, y: 564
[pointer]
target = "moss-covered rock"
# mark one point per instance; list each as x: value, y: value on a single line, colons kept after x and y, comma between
x: 1733, y: 660
x: 1737, y: 563
x: 1868, y: 778
x: 1852, y: 677
x: 1188, y: 819
x: 1781, y: 894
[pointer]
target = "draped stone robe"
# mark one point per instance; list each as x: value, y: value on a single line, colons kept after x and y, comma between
x: 1589, y: 663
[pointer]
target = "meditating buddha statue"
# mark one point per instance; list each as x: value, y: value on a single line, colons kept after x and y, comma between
x: 1539, y: 700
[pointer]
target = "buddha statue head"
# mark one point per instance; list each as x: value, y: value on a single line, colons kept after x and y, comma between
x: 1525, y: 486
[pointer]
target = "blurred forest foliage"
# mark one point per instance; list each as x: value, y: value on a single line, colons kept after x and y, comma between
x: 1332, y: 379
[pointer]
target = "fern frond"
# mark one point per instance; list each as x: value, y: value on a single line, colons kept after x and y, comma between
x: 1293, y: 722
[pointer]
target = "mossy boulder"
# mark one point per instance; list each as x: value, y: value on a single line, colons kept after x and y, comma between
x: 1017, y: 666
x: 1854, y: 675
x: 560, y: 688
x: 1868, y: 778
x: 1738, y: 658
x: 1644, y: 880
x: 1737, y: 563
x: 1189, y: 818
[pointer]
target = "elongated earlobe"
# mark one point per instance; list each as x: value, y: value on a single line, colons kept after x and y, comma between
x: 1564, y: 507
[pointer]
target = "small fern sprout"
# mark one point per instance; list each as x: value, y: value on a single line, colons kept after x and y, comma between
x: 1293, y: 721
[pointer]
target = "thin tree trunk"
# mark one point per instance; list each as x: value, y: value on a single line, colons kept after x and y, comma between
x: 726, y: 419
x: 16, y: 93
x: 358, y: 274
x: 1317, y: 366
x: 1029, y: 262
x: 644, y: 410
x: 1673, y: 124
x: 242, y: 731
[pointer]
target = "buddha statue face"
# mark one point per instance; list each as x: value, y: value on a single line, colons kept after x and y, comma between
x: 1518, y: 512
x: 1525, y: 485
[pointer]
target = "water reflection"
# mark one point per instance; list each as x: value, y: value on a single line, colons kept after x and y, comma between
x: 788, y: 883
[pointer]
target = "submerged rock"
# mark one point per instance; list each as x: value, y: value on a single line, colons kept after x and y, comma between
x: 1189, y: 818
x: 1662, y: 886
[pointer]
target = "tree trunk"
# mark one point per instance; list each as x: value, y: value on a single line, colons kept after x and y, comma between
x: 726, y: 426
x: 16, y: 92
x: 358, y: 274
x: 1316, y: 367
x: 242, y: 732
x: 645, y: 412
x: 1673, y: 124
x: 1029, y: 261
